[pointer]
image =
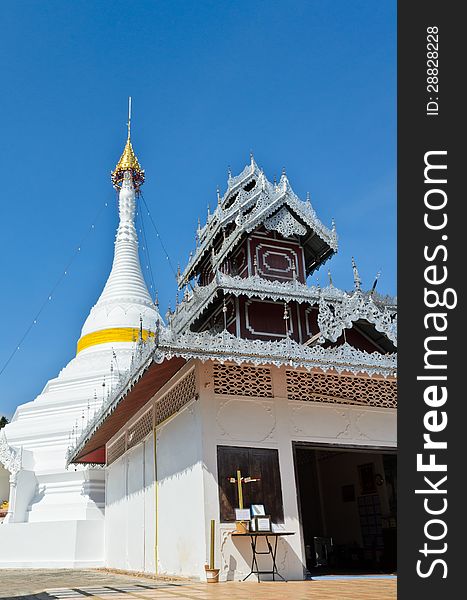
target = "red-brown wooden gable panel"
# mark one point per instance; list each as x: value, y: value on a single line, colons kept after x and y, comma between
x: 276, y: 259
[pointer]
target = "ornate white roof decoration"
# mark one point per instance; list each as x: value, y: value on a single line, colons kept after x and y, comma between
x: 338, y: 309
x: 10, y: 458
x: 335, y: 316
x: 252, y: 208
x: 225, y: 347
x: 285, y: 224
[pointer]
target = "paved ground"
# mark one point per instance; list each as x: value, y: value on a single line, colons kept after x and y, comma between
x: 64, y: 584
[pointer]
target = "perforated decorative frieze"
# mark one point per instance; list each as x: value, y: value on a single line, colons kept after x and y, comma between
x: 176, y: 398
x: 116, y: 449
x: 341, y: 389
x: 242, y: 381
x: 139, y: 430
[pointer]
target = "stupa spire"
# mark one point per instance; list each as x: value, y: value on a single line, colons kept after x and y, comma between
x: 128, y: 161
x: 125, y: 302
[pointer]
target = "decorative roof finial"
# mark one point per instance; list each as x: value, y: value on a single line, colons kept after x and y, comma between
x: 286, y: 320
x: 218, y: 195
x: 128, y: 161
x: 156, y: 300
x: 373, y: 288
x: 308, y: 197
x: 129, y: 117
x: 284, y: 181
x: 333, y: 225
x: 330, y: 278
x: 356, y: 276
x: 140, y: 334
x: 229, y: 172
x: 224, y: 311
x: 252, y: 158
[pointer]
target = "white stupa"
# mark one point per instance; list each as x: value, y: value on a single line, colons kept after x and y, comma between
x: 56, y: 516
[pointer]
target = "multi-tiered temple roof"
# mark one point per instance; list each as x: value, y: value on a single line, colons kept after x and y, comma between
x: 246, y: 300
x: 249, y: 202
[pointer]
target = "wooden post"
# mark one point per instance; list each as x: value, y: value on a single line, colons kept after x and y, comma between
x: 211, y: 555
x: 240, y: 491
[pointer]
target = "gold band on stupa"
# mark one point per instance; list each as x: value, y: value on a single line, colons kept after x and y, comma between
x: 114, y: 334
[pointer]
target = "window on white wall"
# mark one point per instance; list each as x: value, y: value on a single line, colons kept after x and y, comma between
x: 257, y: 463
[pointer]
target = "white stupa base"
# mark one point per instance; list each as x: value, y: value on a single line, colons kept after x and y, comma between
x: 69, y: 495
x: 52, y: 544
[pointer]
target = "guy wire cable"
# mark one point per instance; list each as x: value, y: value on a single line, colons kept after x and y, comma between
x: 54, y: 288
x: 158, y: 236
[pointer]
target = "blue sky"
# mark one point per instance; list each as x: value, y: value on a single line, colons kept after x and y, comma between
x: 308, y: 85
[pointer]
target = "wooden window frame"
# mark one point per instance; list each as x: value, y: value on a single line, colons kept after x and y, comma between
x: 262, y: 463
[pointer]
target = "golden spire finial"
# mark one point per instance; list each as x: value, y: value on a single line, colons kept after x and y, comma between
x: 128, y: 161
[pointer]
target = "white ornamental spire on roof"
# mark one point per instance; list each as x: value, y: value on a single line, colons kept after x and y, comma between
x: 125, y: 301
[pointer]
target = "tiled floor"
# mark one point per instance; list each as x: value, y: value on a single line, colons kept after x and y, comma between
x: 375, y: 589
x: 95, y: 585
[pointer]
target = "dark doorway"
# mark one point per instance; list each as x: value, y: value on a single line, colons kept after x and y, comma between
x: 348, y: 507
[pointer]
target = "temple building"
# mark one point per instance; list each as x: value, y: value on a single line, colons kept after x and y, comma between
x: 257, y: 390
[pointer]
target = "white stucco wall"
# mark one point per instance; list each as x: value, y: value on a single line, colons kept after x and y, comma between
x: 70, y: 544
x: 186, y: 495
x: 130, y: 509
x: 277, y: 423
x: 181, y: 510
x: 21, y: 493
x: 174, y: 545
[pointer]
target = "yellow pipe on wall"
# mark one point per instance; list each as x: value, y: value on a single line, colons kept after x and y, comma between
x: 156, y: 503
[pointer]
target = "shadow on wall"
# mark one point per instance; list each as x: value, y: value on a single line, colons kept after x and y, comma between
x: 178, y: 451
x: 116, y: 492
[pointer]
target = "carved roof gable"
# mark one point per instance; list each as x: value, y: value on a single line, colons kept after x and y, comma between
x: 251, y: 201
